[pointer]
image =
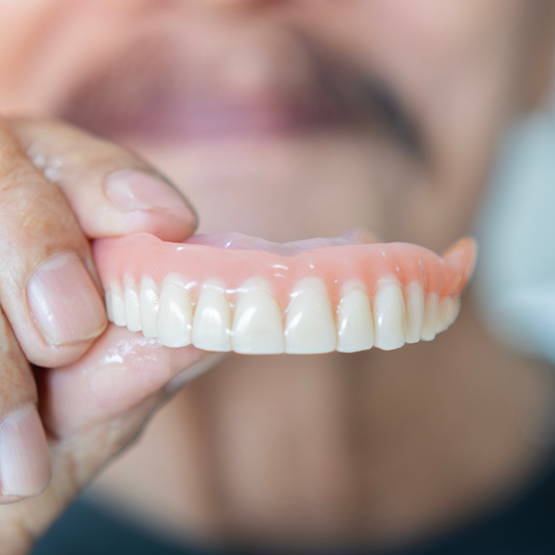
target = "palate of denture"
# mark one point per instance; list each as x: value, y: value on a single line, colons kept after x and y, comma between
x: 242, y: 294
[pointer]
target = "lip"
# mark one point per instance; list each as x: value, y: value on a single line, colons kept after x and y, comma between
x: 153, y: 92
x: 178, y: 118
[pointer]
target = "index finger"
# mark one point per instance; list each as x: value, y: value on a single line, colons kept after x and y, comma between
x: 111, y: 190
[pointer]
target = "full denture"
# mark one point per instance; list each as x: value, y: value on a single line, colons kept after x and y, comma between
x: 254, y: 299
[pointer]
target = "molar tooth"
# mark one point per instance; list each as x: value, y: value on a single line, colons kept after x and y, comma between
x: 430, y: 317
x: 175, y: 313
x: 443, y: 307
x: 389, y: 316
x: 453, y: 310
x: 118, y: 305
x: 132, y: 307
x: 355, y: 326
x: 415, y: 312
x: 149, y: 306
x: 257, y: 322
x: 212, y: 322
x: 310, y: 326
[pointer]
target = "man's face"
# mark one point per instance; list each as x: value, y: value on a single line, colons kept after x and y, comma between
x: 289, y: 119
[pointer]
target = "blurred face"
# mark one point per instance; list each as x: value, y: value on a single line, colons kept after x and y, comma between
x: 289, y: 119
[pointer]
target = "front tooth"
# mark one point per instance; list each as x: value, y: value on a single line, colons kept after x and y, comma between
x: 108, y: 302
x: 355, y: 326
x: 310, y: 326
x: 453, y: 310
x: 175, y: 313
x: 415, y: 312
x: 389, y: 316
x: 149, y: 306
x: 212, y: 322
x: 443, y: 307
x: 132, y: 307
x: 430, y: 317
x: 118, y: 305
x: 257, y: 322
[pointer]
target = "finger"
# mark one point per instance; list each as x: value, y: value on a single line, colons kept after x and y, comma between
x: 24, y: 459
x: 111, y: 190
x: 46, y: 289
x: 119, y: 373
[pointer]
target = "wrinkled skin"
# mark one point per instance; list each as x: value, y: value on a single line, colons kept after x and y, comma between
x: 377, y: 447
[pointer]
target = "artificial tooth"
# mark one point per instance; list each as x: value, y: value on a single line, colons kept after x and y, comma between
x: 149, y: 307
x: 175, y: 313
x: 212, y: 322
x: 132, y: 307
x: 108, y: 302
x: 117, y: 305
x: 355, y: 326
x: 415, y: 312
x: 430, y: 317
x: 453, y: 310
x: 310, y: 326
x: 443, y: 307
x: 257, y: 323
x: 389, y: 316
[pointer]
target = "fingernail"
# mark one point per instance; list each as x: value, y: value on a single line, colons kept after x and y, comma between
x: 24, y: 457
x: 64, y: 302
x: 131, y: 190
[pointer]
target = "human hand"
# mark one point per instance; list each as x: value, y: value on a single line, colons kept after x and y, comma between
x: 94, y: 385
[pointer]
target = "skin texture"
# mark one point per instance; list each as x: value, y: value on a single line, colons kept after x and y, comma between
x: 380, y: 448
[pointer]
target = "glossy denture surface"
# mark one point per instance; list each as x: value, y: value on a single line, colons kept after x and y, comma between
x: 348, y: 297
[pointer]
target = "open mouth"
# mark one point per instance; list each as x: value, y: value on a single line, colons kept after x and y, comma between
x: 156, y: 92
x: 245, y: 295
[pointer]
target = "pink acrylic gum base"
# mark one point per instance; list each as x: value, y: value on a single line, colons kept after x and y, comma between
x: 142, y: 255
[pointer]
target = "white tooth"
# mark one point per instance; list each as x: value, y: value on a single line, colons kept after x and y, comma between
x: 355, y: 326
x: 453, y: 310
x: 149, y: 306
x: 257, y: 321
x: 108, y: 302
x: 132, y: 307
x: 310, y: 326
x: 212, y: 322
x: 118, y: 306
x: 389, y: 316
x: 415, y: 312
x: 443, y: 307
x: 430, y: 317
x: 175, y: 313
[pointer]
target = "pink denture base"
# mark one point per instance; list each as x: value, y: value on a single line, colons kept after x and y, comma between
x: 136, y: 256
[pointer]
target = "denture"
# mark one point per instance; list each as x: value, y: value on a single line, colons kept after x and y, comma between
x: 238, y: 293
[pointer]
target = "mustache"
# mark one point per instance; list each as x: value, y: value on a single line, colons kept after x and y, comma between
x: 365, y: 96
x: 141, y: 81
